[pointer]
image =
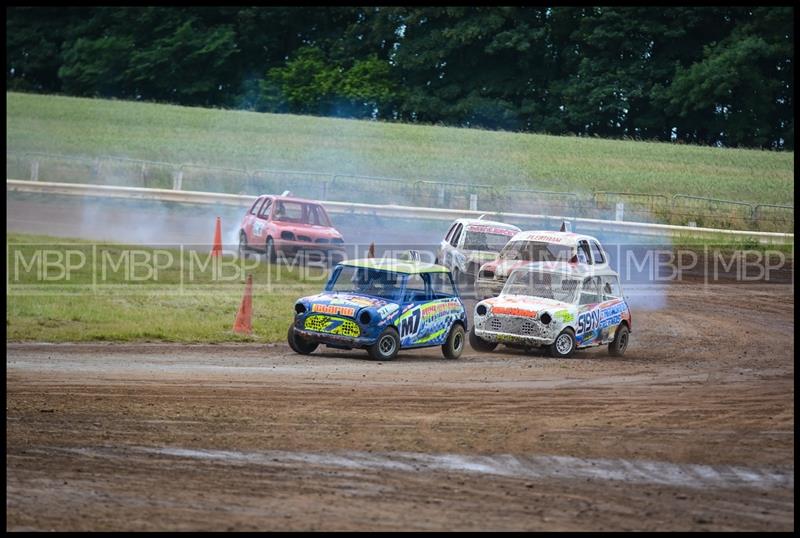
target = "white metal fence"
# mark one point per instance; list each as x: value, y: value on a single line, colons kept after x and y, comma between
x: 679, y: 209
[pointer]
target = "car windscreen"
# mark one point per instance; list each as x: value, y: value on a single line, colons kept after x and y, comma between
x: 374, y: 282
x: 558, y: 286
x: 300, y: 213
x: 475, y: 240
x: 536, y: 251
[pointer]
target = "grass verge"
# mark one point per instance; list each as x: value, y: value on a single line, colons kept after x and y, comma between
x: 76, y: 291
x: 241, y: 139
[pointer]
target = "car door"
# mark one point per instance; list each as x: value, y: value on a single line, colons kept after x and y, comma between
x: 249, y: 218
x: 434, y: 308
x: 260, y: 223
x: 612, y: 308
x: 590, y: 299
x: 444, y: 244
x: 408, y: 324
x: 452, y: 245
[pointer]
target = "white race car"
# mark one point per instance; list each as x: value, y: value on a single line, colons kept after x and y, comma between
x: 557, y: 305
x: 538, y: 246
x: 468, y: 244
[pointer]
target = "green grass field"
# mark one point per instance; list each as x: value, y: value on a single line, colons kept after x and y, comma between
x: 97, y: 300
x: 251, y: 140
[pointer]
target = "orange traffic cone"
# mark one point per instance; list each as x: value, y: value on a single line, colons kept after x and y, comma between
x: 216, y: 250
x: 371, y: 252
x: 243, y: 323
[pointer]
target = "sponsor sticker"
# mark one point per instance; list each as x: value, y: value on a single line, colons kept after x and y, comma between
x: 386, y: 311
x: 490, y: 230
x: 334, y: 309
x: 332, y: 325
x: 513, y: 311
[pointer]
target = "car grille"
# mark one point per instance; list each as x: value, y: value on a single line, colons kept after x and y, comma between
x: 516, y: 325
x: 303, y: 238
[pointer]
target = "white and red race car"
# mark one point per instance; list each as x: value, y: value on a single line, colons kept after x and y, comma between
x: 538, y: 246
x: 468, y: 244
x: 558, y: 306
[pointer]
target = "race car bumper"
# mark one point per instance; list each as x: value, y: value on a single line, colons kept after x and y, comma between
x: 502, y: 338
x: 334, y: 340
x: 294, y: 246
x: 514, y: 329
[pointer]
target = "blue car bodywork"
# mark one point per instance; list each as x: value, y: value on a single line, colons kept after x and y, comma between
x: 419, y: 300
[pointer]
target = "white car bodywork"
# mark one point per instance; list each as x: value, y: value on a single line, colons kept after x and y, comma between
x: 457, y: 250
x: 538, y: 246
x: 540, y: 301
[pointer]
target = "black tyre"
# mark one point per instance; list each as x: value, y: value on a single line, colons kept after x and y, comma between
x: 620, y: 343
x: 269, y: 251
x: 300, y: 344
x: 478, y: 343
x: 386, y: 346
x: 564, y: 345
x: 454, y: 344
x: 243, y: 245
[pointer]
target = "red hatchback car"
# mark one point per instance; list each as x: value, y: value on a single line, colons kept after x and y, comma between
x: 289, y: 225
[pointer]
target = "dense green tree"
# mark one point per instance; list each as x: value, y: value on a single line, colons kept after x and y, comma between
x: 708, y: 75
x: 740, y: 93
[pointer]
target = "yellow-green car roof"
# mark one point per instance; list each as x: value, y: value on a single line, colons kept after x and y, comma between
x: 397, y: 266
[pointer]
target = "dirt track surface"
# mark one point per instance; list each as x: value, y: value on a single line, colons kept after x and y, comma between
x: 692, y: 430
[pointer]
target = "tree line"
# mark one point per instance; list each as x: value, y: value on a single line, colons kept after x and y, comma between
x: 702, y: 75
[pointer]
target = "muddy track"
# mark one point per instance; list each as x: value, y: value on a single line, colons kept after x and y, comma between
x: 692, y: 430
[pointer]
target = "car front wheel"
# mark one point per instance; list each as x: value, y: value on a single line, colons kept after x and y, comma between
x: 300, y: 344
x: 564, y: 344
x: 386, y: 346
x: 478, y: 343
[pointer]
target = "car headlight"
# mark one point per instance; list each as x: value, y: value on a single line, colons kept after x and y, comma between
x: 300, y: 308
x: 545, y: 318
x: 481, y: 310
x: 364, y: 317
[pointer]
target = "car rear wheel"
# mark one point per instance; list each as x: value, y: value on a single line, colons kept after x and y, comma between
x: 620, y: 343
x: 478, y: 343
x: 454, y: 344
x: 269, y: 251
x: 564, y: 344
x: 300, y: 344
x: 386, y: 346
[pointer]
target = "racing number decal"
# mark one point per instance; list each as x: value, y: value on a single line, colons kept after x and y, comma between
x: 410, y: 324
x: 588, y: 321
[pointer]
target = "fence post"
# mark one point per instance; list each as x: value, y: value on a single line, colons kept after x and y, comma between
x: 35, y: 170
x: 141, y: 176
x: 177, y: 180
x: 620, y: 211
x: 473, y: 202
